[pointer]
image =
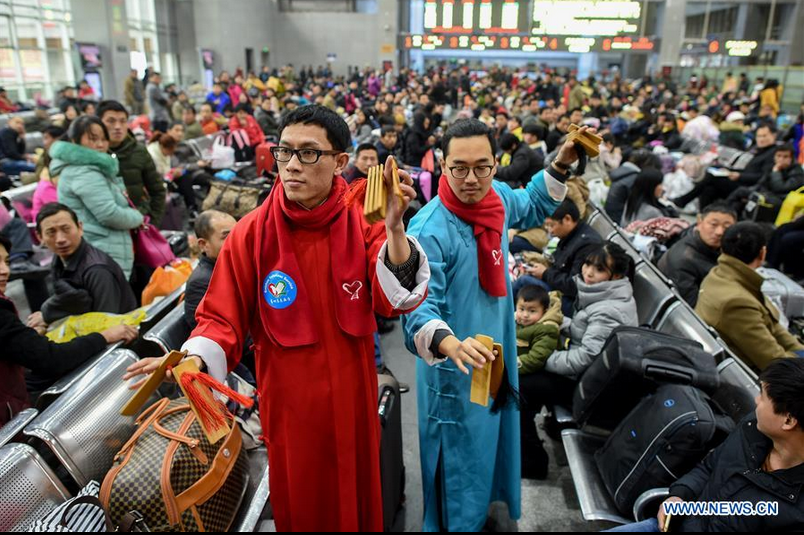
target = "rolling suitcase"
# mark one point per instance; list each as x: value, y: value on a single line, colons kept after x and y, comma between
x: 633, y: 363
x: 392, y: 467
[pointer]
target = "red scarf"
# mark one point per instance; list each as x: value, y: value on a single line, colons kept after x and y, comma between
x: 487, y: 219
x: 293, y: 325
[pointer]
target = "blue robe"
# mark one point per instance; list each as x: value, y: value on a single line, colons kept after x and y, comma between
x: 480, y: 451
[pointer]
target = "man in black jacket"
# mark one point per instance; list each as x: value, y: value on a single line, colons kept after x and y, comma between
x: 665, y: 131
x: 85, y: 278
x: 714, y: 188
x: 13, y: 159
x: 524, y: 162
x: 690, y: 259
x: 785, y: 176
x: 760, y: 464
x: 577, y: 239
x: 24, y: 348
x: 211, y: 229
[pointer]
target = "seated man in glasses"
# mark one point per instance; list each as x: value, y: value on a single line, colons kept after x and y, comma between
x: 470, y: 452
x: 304, y: 274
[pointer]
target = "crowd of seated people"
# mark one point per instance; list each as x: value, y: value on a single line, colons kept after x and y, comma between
x: 98, y: 181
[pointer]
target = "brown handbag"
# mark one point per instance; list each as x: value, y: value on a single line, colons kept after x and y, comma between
x: 170, y: 473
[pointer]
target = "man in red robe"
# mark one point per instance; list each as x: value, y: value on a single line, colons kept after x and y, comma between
x: 304, y: 274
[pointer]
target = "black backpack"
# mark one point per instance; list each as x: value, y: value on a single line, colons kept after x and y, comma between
x: 662, y: 439
x: 633, y: 363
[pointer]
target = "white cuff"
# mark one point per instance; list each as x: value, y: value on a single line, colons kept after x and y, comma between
x: 211, y: 353
x: 397, y: 295
x: 424, y: 338
x: 556, y: 188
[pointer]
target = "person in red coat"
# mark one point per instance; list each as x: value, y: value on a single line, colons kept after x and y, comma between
x: 243, y: 120
x: 305, y: 274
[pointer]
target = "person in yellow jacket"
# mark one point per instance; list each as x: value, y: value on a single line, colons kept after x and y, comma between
x: 771, y: 96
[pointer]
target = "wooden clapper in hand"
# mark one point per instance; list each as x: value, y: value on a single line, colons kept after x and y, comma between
x: 209, y: 412
x: 589, y: 141
x: 376, y: 204
x: 487, y: 380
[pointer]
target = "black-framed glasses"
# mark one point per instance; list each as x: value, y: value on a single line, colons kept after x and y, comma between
x: 305, y: 156
x: 461, y: 171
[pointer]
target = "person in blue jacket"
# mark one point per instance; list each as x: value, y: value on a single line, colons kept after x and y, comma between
x: 218, y: 98
x: 470, y: 454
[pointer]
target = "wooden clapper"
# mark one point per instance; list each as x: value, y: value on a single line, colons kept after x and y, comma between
x: 174, y: 360
x: 589, y: 141
x: 376, y: 204
x: 486, y: 381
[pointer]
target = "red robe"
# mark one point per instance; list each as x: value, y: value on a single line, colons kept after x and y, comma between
x: 318, y: 403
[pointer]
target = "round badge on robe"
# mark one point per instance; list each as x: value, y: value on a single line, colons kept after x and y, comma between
x: 279, y: 290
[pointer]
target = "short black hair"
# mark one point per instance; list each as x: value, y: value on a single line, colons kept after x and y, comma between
x: 6, y: 243
x: 783, y: 379
x: 336, y: 128
x: 242, y: 107
x: 573, y: 110
x: 535, y: 130
x: 509, y: 141
x: 387, y: 130
x: 787, y: 147
x: 464, y: 128
x: 533, y: 293
x: 82, y: 125
x: 744, y: 241
x: 566, y: 208
x: 50, y: 210
x: 109, y: 105
x: 203, y: 223
x: 56, y: 132
x: 189, y: 107
x: 546, y: 108
x: 767, y: 124
x: 719, y: 208
x: 208, y: 104
x: 366, y: 146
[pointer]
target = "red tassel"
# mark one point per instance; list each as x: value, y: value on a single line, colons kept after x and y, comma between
x: 210, y: 382
x: 356, y: 193
x: 211, y: 414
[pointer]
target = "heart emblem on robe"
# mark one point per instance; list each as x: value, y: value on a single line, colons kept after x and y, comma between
x: 353, y: 289
x: 497, y: 255
x: 277, y: 289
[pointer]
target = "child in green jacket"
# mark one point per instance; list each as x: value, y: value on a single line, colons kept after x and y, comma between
x: 538, y: 321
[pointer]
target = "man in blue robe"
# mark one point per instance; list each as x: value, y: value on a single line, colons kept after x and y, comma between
x: 470, y: 454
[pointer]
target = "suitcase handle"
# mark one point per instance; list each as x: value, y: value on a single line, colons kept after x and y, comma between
x: 386, y: 404
x: 666, y: 352
x: 653, y: 369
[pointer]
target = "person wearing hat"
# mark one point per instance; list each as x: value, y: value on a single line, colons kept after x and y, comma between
x: 732, y: 131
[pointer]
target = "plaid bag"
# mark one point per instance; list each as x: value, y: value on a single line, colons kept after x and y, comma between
x: 172, y: 475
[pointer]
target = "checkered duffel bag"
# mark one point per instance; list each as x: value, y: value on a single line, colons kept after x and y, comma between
x: 170, y: 473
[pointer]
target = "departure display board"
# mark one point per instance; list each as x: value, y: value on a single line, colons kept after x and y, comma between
x: 578, y: 26
x: 476, y: 16
x: 478, y: 43
x: 590, y: 18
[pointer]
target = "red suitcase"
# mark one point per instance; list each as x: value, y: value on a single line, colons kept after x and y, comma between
x: 265, y: 160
